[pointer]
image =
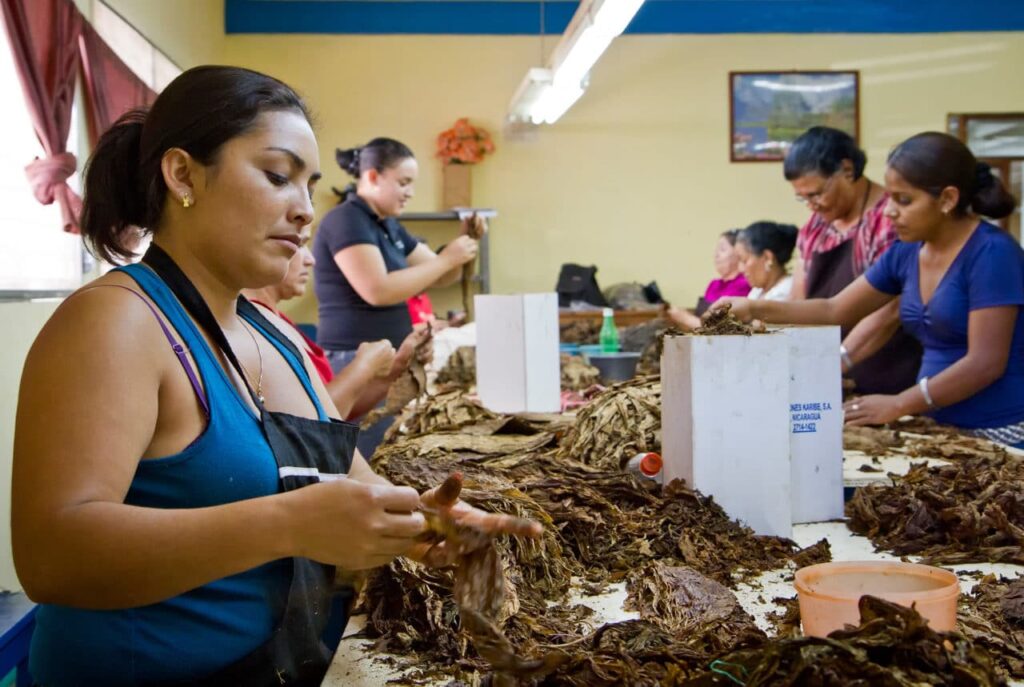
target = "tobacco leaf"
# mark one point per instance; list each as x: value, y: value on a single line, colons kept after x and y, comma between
x: 992, y: 616
x: 953, y: 447
x: 580, y: 331
x: 692, y: 605
x: 786, y: 621
x: 577, y: 375
x: 409, y: 386
x: 874, y: 441
x: 819, y: 552
x: 460, y: 368
x: 968, y: 511
x: 721, y: 322
x: 474, y: 227
x: 891, y: 647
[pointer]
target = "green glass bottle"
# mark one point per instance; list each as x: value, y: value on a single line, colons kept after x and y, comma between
x: 609, y: 334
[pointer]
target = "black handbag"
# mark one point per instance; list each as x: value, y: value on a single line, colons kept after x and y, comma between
x: 578, y: 283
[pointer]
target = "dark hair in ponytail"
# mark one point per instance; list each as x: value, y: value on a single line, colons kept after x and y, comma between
x: 780, y: 239
x: 199, y: 112
x: 933, y: 161
x: 379, y: 154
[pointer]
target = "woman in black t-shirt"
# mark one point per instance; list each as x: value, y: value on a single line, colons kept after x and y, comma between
x: 368, y: 265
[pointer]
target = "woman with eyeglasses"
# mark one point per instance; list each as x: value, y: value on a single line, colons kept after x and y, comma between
x: 848, y: 232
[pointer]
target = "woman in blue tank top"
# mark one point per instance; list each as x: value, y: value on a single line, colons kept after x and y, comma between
x: 181, y: 482
x: 960, y: 281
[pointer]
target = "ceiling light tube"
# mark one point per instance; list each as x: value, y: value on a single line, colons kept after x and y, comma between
x: 592, y: 29
x: 531, y: 91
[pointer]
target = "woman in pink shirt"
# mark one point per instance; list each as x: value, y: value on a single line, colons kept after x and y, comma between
x: 730, y: 282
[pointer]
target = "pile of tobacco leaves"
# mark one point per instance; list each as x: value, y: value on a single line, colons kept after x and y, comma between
x: 971, y: 510
x: 992, y: 616
x: 577, y: 374
x: 892, y: 647
x: 619, y: 423
x: 460, y: 371
x: 460, y: 368
x: 721, y: 322
x: 580, y: 331
x: 917, y: 438
x: 679, y: 555
x: 677, y: 549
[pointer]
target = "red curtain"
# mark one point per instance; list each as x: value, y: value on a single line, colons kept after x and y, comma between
x: 111, y: 88
x: 44, y: 39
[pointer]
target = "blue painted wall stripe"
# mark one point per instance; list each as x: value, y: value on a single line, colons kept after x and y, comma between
x: 504, y: 17
x: 414, y: 17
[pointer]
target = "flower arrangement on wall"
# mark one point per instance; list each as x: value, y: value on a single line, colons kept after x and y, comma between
x: 464, y: 144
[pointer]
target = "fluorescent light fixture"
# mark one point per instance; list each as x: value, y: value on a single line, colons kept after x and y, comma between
x: 531, y: 92
x: 546, y: 94
x: 555, y: 103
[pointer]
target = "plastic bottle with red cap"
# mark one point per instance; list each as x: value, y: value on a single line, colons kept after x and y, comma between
x: 646, y: 465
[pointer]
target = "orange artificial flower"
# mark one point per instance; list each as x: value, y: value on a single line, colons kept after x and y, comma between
x: 463, y: 144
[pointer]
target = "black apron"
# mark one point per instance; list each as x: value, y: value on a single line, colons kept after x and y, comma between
x: 314, y: 612
x: 894, y: 367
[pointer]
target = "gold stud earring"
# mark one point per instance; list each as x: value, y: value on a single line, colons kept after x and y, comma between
x: 186, y: 201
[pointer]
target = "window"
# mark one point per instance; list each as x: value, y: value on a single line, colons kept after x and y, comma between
x: 36, y: 256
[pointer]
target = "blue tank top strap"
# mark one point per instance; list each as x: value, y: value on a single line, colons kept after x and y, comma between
x: 172, y: 310
x: 297, y: 365
x: 178, y: 349
x: 161, y: 294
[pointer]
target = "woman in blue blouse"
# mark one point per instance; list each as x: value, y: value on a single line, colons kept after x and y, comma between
x: 960, y: 281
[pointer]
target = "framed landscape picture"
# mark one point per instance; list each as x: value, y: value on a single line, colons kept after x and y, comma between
x: 768, y: 110
x: 990, y: 134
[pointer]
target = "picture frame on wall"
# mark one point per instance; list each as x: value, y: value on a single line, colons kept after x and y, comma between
x: 997, y: 139
x: 768, y: 110
x: 990, y: 134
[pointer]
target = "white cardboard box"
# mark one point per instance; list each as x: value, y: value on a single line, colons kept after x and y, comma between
x: 517, y: 361
x: 725, y: 424
x: 816, y: 423
x: 756, y: 422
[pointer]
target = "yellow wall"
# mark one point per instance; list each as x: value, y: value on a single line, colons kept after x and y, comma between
x: 636, y: 177
x: 190, y: 32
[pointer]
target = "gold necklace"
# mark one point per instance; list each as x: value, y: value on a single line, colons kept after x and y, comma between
x: 259, y: 381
